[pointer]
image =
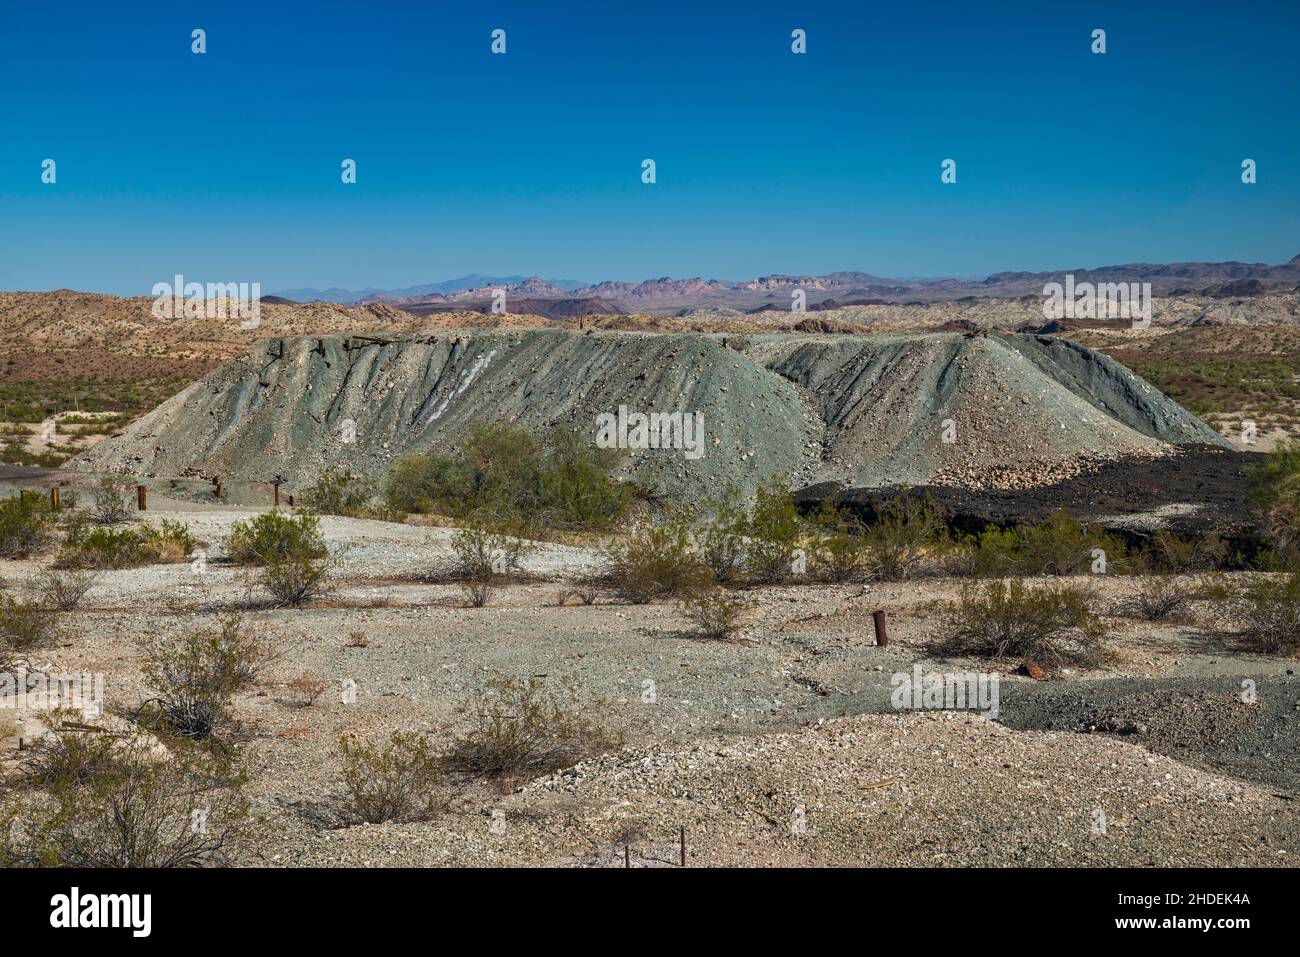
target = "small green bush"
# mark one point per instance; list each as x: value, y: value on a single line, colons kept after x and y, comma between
x: 295, y: 581
x: 716, y: 613
x: 111, y: 500
x: 486, y: 551
x: 774, y: 532
x: 26, y: 625
x: 127, y: 807
x: 1269, y: 611
x: 993, y: 553
x: 654, y: 561
x: 337, y: 492
x: 841, y: 544
x: 398, y: 780
x: 26, y: 525
x: 1053, y: 625
x: 908, y: 535
x: 721, y: 541
x: 1063, y: 546
x: 1274, y: 490
x: 194, y: 676
x: 566, y: 483
x: 276, y: 537
x: 519, y: 729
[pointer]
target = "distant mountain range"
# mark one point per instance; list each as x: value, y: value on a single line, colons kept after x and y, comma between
x: 349, y: 297
x: 667, y: 295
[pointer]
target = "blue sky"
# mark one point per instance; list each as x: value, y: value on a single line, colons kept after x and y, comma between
x: 225, y: 166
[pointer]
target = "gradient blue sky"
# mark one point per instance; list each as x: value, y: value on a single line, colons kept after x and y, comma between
x: 225, y: 167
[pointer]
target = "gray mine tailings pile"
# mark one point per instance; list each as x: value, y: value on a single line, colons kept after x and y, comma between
x: 864, y: 410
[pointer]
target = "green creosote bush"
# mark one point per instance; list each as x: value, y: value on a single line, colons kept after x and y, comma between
x: 275, y: 537
x: 653, y: 562
x: 399, y: 779
x: 564, y: 483
x: 1052, y: 624
x: 115, y: 802
x: 26, y: 525
x: 485, y: 552
x: 26, y: 625
x: 775, y: 531
x: 1268, y: 609
x: 111, y: 501
x: 908, y: 537
x: 99, y: 547
x: 518, y: 729
x: 194, y: 676
x: 717, y: 614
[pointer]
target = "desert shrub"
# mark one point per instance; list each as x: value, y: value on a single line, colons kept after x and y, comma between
x: 25, y: 525
x: 1200, y: 553
x: 841, y: 544
x: 398, y: 780
x: 67, y: 755
x: 773, y: 532
x: 1274, y: 490
x: 721, y: 543
x: 274, y: 536
x: 993, y: 553
x: 523, y: 728
x: 716, y: 613
x: 26, y: 625
x: 1156, y: 597
x: 305, y: 690
x: 65, y: 590
x: 586, y: 589
x: 578, y: 487
x: 170, y: 543
x: 1269, y: 611
x: 567, y: 482
x: 195, y: 675
x: 1053, y: 625
x: 431, y: 482
x: 337, y: 492
x: 654, y: 561
x: 1063, y: 546
x: 134, y: 808
x: 909, y: 533
x: 485, y: 551
x: 294, y: 581
x: 102, y: 547
x: 110, y: 502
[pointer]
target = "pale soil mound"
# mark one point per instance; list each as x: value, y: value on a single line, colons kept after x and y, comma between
x: 865, y: 410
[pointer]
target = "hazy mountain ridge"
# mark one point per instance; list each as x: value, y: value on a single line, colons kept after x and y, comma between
x: 667, y: 294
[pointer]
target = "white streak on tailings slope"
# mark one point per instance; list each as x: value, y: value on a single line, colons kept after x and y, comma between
x: 466, y: 378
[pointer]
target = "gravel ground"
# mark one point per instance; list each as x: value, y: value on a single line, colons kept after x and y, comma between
x: 739, y: 734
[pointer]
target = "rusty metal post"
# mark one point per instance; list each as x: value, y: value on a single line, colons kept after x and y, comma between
x: 627, y: 856
x: 216, y: 484
x: 276, y: 486
x: 881, y: 638
x: 54, y: 498
x: 683, y: 847
x: 141, y: 498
